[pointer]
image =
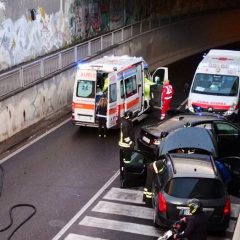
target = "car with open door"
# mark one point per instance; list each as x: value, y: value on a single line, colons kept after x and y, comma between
x: 190, y: 167
x: 226, y: 132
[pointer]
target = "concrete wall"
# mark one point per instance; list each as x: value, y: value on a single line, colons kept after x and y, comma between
x: 168, y: 44
x: 24, y: 37
x: 179, y: 40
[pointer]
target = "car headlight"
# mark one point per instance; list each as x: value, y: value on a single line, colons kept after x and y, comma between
x: 156, y: 141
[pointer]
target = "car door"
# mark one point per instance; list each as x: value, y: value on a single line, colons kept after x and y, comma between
x: 159, y: 75
x: 228, y: 138
x: 112, y: 115
x: 133, y: 167
x: 233, y: 165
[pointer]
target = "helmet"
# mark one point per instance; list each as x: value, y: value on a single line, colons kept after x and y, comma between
x: 128, y: 114
x: 194, y: 205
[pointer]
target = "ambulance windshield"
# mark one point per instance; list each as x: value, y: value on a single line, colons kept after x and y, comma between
x: 221, y: 85
x: 86, y: 89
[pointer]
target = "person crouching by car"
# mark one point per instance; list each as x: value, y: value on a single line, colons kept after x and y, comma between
x: 196, y: 223
x: 102, y: 117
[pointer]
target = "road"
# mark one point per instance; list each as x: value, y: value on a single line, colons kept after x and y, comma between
x: 60, y: 173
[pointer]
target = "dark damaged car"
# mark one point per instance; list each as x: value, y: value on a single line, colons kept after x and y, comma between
x: 226, y: 132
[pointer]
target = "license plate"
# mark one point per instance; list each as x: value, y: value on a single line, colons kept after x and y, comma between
x: 145, y: 139
x: 184, y: 210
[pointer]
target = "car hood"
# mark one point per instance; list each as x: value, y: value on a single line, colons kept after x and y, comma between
x: 154, y: 130
x: 189, y: 137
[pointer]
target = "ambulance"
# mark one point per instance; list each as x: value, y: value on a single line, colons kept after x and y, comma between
x: 125, y: 90
x: 215, y: 87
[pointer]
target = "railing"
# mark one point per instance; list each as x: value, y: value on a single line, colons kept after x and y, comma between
x: 28, y: 74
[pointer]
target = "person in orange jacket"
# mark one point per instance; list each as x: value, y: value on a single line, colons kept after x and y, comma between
x: 166, y: 98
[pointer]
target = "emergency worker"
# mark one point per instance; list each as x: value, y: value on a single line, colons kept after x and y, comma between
x: 152, y: 170
x: 102, y: 116
x: 126, y: 131
x: 105, y: 82
x: 127, y: 138
x: 166, y: 97
x: 196, y: 222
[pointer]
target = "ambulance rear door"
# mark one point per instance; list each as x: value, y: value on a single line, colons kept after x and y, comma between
x: 84, y: 97
x: 159, y: 75
x: 112, y: 112
x: 131, y: 89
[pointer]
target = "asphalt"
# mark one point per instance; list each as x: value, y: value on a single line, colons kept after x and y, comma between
x: 26, y: 135
x: 23, y: 137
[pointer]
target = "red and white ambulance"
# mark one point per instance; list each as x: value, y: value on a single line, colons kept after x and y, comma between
x: 126, y: 89
x: 215, y: 87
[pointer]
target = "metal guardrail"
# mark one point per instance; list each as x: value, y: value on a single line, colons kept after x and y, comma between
x: 30, y: 73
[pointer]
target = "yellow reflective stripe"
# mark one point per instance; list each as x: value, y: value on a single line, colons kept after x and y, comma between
x: 146, y: 192
x: 126, y: 161
x: 155, y: 167
x: 148, y: 196
x: 127, y: 139
x: 124, y: 145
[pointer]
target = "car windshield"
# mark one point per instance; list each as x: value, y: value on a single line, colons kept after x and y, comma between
x: 86, y: 89
x: 211, y: 84
x: 195, y: 188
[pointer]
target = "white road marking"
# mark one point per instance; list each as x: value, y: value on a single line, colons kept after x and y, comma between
x: 120, y: 226
x: 235, y: 209
x: 86, y: 206
x: 33, y: 141
x: 182, y: 104
x: 72, y: 236
x: 125, y: 195
x: 124, y: 210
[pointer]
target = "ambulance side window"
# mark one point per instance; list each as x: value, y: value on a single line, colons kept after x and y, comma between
x: 113, y: 93
x: 130, y: 86
x: 122, y: 90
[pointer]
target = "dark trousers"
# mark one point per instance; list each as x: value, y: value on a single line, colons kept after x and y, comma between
x: 147, y: 192
x: 102, y: 127
x: 124, y: 153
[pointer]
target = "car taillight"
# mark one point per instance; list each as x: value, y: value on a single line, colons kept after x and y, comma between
x: 162, y: 205
x: 227, y: 207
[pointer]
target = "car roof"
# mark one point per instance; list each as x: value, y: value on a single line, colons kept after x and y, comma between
x: 179, y: 121
x: 193, y: 165
x: 189, y: 138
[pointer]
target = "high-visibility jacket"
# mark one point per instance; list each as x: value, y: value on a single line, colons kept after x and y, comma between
x: 126, y: 134
x: 105, y: 84
x: 147, y: 88
x: 167, y: 92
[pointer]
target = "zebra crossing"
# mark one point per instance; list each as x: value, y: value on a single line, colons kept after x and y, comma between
x: 126, y: 203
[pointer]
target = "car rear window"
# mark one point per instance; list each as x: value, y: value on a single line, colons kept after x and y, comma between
x: 202, y: 188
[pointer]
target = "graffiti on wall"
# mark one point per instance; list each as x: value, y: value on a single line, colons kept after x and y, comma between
x: 85, y: 18
x: 31, y: 36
